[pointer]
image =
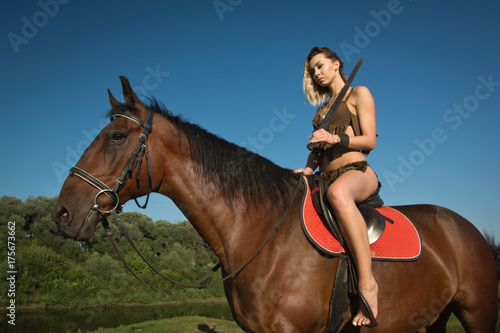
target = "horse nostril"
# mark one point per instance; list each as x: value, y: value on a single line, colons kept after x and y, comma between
x: 61, y: 215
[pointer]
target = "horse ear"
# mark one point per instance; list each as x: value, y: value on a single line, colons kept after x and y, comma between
x: 129, y: 95
x: 113, y: 102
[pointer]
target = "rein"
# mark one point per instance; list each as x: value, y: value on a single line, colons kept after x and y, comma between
x: 134, y: 163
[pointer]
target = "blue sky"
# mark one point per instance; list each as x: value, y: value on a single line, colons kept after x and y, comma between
x: 235, y: 68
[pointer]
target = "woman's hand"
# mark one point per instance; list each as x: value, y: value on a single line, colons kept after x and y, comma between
x: 306, y: 171
x: 322, y: 135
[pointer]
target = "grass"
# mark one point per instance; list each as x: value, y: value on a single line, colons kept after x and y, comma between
x: 454, y: 325
x: 179, y: 325
x: 202, y: 324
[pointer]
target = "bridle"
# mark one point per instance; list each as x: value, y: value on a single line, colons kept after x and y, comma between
x: 134, y: 164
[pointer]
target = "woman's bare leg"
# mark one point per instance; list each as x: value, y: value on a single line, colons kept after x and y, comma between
x: 350, y: 188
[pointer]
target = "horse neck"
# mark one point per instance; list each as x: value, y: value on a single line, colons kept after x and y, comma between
x: 200, y: 200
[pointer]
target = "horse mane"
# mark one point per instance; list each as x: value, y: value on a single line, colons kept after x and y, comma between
x: 239, y: 174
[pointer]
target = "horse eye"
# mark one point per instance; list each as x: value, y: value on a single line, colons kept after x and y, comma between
x: 118, y: 137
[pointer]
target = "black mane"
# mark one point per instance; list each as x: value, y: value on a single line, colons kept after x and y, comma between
x: 237, y: 173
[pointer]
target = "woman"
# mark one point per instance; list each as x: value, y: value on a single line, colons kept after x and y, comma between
x: 342, y: 163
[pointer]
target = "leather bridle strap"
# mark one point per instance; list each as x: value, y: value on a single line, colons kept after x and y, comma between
x: 140, y: 150
x: 134, y: 164
x: 100, y: 186
x: 146, y: 125
x: 88, y: 178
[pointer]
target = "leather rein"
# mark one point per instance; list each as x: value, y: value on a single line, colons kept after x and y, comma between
x: 134, y: 164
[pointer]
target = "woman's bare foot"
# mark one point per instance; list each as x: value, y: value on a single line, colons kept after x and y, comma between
x: 370, y: 295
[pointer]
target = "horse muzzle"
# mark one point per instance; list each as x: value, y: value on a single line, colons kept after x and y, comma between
x: 76, y: 225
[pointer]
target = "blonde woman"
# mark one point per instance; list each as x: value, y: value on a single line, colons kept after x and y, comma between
x: 342, y: 163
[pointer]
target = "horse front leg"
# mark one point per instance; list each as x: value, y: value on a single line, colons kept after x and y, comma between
x: 281, y: 300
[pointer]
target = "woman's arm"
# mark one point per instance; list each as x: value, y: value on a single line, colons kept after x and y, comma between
x: 362, y: 100
x: 311, y: 165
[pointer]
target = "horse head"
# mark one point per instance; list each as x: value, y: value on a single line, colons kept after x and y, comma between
x: 99, y: 182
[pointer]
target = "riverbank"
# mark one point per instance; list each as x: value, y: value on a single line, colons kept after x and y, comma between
x: 44, y: 306
x: 86, y: 319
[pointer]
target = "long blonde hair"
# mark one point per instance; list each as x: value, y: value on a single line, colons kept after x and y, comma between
x: 315, y: 93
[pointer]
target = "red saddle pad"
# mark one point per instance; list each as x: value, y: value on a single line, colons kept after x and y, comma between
x: 399, y: 242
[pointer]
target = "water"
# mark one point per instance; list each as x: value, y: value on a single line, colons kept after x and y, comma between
x: 55, y: 321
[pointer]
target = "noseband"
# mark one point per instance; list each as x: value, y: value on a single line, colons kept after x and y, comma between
x: 134, y: 163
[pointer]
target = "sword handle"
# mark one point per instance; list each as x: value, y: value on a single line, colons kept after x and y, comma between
x: 312, y: 145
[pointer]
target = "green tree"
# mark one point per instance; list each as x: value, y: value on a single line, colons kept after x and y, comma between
x: 495, y: 248
x: 53, y: 269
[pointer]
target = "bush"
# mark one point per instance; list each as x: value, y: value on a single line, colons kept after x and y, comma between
x: 59, y: 271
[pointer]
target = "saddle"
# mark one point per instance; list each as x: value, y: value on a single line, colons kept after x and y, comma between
x: 375, y: 221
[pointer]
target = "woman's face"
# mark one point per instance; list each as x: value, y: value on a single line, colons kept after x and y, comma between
x: 323, y: 69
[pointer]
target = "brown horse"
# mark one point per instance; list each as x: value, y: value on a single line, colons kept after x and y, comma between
x: 235, y: 198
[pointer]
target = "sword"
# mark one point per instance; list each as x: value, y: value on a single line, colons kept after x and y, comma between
x: 333, y: 109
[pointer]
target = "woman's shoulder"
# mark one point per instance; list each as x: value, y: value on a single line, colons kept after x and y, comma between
x: 359, y: 95
x: 360, y: 91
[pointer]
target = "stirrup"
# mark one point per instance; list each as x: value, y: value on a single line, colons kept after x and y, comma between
x: 373, y: 322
